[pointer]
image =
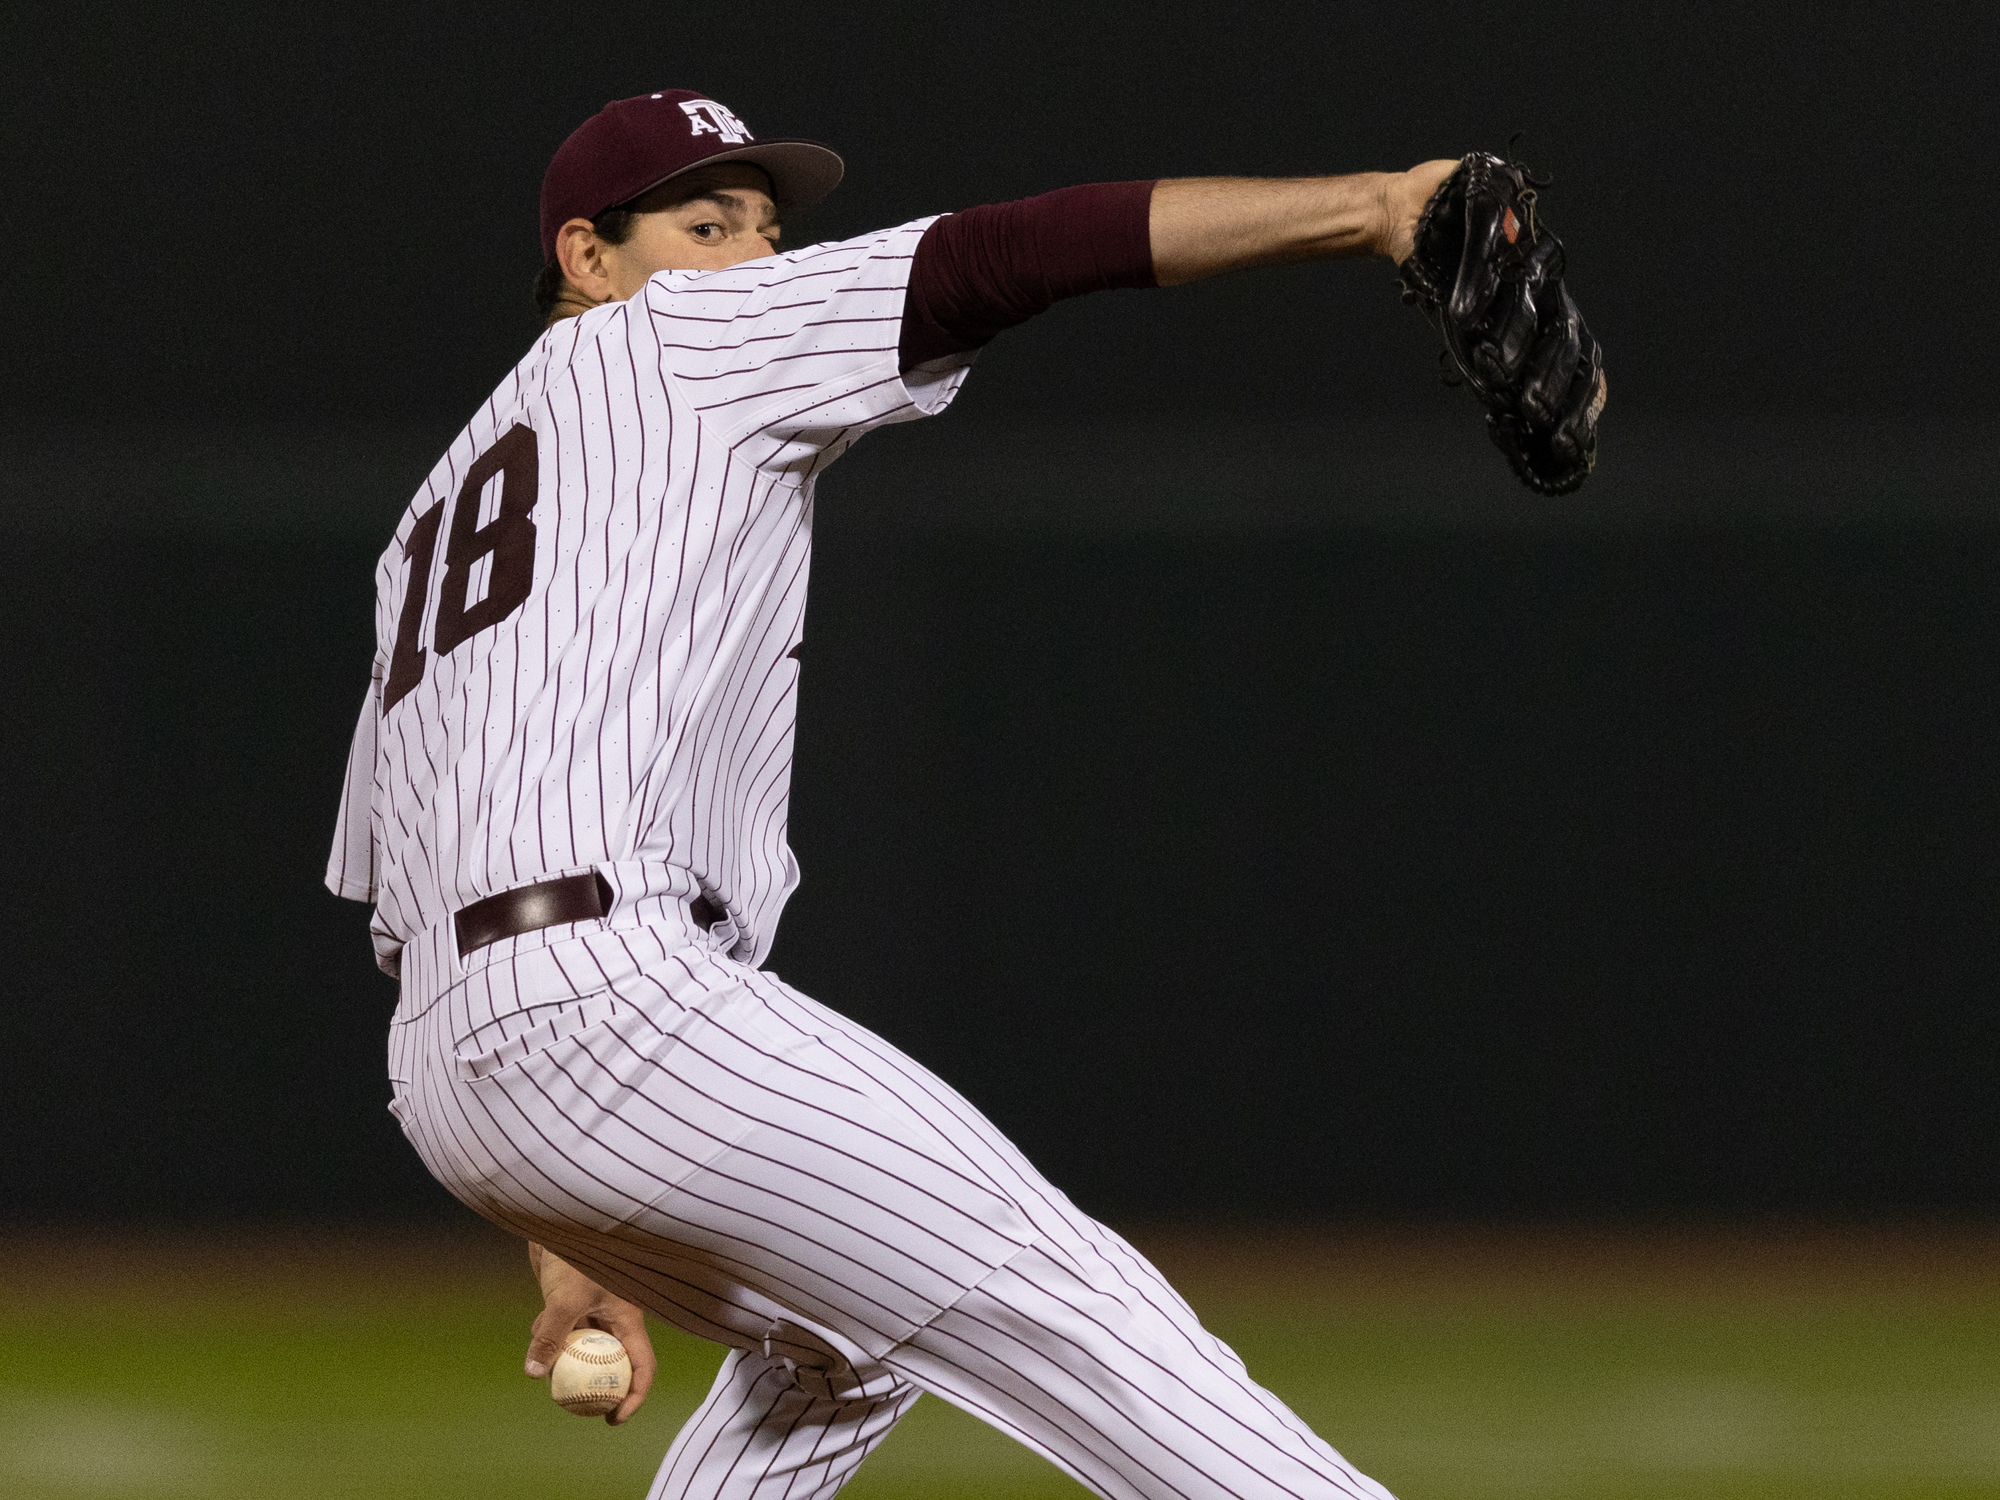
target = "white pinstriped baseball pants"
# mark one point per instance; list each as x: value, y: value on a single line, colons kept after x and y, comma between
x: 763, y: 1172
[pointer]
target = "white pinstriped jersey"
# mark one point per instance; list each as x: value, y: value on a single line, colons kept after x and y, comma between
x: 587, y: 632
x: 598, y: 664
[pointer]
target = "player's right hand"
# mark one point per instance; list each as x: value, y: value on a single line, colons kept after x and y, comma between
x: 571, y: 1300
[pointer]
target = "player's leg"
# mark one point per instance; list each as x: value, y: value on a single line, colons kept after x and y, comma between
x: 772, y: 1430
x: 1127, y: 1392
x: 728, y: 1153
x: 1078, y: 1346
x: 1105, y: 1386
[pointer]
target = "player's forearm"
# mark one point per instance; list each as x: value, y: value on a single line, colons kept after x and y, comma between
x: 1202, y: 226
x: 987, y: 269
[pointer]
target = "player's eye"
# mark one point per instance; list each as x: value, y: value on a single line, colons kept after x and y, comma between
x: 709, y: 230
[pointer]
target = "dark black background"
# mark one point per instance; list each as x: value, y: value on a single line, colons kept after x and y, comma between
x: 1461, y: 868
x: 314, y: 211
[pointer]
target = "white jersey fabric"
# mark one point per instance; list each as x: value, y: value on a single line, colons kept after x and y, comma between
x: 587, y: 628
x: 761, y: 1171
x: 631, y: 708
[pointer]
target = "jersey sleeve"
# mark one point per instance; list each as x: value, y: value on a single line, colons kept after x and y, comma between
x: 984, y: 270
x: 796, y: 355
x: 351, y: 869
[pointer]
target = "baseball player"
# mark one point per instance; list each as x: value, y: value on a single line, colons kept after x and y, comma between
x: 567, y: 797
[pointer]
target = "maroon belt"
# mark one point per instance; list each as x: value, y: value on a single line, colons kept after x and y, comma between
x: 529, y: 908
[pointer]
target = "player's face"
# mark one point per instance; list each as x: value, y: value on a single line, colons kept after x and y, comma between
x: 716, y: 217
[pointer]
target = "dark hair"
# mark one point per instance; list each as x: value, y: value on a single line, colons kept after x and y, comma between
x: 613, y: 226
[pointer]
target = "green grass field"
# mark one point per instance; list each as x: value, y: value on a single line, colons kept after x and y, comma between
x: 1450, y: 1365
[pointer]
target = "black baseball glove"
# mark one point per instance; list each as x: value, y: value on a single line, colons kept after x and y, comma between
x: 1490, y: 278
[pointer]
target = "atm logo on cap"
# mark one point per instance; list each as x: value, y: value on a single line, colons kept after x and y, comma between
x: 706, y: 117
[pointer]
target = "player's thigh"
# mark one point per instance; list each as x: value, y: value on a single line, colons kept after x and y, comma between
x: 682, y: 1121
x: 952, y: 1129
x: 578, y: 1111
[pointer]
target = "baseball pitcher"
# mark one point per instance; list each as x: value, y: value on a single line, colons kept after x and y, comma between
x: 567, y: 795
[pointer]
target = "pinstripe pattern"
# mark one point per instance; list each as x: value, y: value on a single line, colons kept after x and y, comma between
x: 640, y: 705
x: 634, y: 1092
x: 761, y: 1171
x: 765, y: 1431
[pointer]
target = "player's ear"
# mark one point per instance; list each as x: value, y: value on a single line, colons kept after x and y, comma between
x: 580, y: 253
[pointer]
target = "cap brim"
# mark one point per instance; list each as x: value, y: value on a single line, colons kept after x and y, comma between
x: 802, y: 172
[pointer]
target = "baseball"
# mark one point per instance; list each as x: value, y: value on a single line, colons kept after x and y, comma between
x: 591, y: 1375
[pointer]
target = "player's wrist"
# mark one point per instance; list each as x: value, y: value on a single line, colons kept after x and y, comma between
x: 1401, y: 203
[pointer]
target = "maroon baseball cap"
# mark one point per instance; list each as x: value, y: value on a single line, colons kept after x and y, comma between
x: 633, y: 145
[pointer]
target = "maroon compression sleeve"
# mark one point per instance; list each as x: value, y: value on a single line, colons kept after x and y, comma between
x: 978, y: 273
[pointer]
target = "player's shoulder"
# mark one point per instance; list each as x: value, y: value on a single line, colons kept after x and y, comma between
x: 560, y: 340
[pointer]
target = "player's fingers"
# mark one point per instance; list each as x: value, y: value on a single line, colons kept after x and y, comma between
x: 551, y: 1328
x: 628, y: 1324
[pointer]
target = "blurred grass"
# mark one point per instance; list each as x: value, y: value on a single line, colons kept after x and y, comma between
x: 1450, y: 1364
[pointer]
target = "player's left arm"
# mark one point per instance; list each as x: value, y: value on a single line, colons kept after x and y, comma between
x: 1202, y: 226
x: 571, y: 1300
x: 987, y: 269
x: 1511, y: 328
